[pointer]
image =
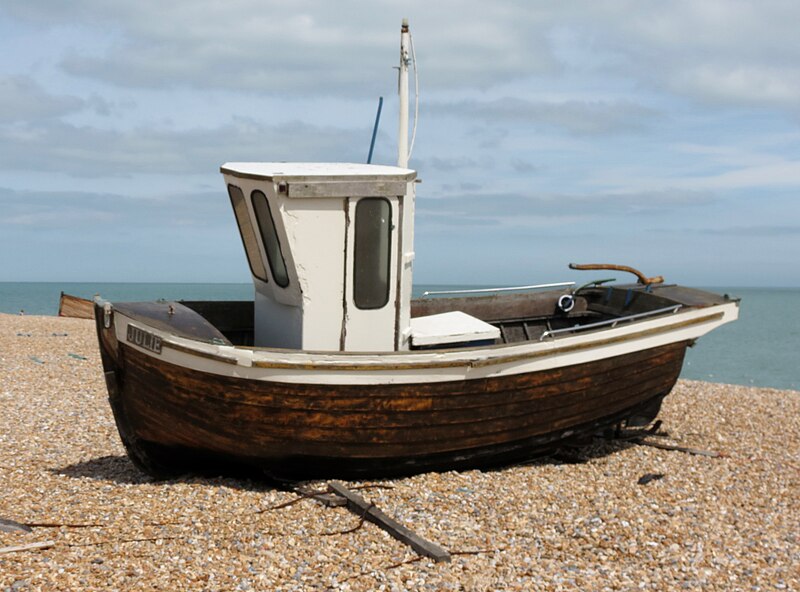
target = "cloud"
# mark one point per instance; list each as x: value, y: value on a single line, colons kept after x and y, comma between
x: 22, y: 99
x: 449, y: 164
x: 519, y: 209
x: 761, y: 231
x: 55, y: 146
x: 742, y: 84
x: 715, y: 51
x: 79, y: 212
x: 523, y: 166
x: 578, y: 117
x: 274, y: 46
x: 76, y: 235
x: 777, y: 173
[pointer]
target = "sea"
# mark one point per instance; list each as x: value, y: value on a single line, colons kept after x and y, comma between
x: 761, y: 349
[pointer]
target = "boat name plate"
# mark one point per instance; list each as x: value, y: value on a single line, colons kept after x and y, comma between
x: 144, y: 339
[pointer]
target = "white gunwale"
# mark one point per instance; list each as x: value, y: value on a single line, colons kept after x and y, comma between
x: 283, y: 365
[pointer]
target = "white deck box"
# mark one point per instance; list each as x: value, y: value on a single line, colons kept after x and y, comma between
x: 451, y: 329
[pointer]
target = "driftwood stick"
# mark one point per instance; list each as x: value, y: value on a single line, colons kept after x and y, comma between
x: 303, y: 494
x: 359, y: 505
x: 415, y: 559
x: 325, y: 497
x: 331, y: 500
x: 28, y: 547
x: 643, y: 279
x: 664, y: 446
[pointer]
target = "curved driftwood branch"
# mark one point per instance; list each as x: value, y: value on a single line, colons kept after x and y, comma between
x: 642, y: 278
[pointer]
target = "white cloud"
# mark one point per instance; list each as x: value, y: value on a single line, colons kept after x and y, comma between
x: 772, y: 175
x: 23, y: 99
x: 716, y: 50
x: 532, y: 209
x: 93, y: 152
x: 301, y: 46
x: 579, y: 117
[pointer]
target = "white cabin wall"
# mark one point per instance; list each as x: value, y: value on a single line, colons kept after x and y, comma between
x: 315, y: 231
x: 406, y: 268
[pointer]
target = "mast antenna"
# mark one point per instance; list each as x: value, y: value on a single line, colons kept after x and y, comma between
x: 402, y: 90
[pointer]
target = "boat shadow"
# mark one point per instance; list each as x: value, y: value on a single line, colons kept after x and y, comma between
x: 116, y: 468
x: 119, y: 468
x: 575, y: 453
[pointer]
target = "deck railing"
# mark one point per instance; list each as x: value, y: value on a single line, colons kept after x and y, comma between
x: 485, y: 290
x: 611, y: 322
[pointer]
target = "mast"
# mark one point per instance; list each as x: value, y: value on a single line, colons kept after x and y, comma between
x: 402, y: 89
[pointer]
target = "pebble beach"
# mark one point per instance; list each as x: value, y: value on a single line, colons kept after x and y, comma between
x: 609, y: 516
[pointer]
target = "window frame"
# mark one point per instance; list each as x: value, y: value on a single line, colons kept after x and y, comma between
x: 358, y: 276
x: 272, y: 247
x: 243, y: 224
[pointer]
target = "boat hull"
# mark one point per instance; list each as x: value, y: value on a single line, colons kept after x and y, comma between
x: 75, y: 306
x: 172, y: 418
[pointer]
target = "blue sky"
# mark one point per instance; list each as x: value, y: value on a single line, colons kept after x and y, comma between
x: 660, y: 135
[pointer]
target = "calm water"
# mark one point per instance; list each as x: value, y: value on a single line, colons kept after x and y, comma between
x: 762, y: 348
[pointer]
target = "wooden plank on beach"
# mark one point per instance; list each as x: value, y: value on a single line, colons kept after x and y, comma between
x: 28, y: 547
x: 360, y: 506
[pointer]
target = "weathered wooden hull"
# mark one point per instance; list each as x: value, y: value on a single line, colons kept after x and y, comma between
x: 171, y: 417
x: 186, y: 398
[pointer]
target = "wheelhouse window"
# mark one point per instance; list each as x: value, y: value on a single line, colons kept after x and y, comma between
x: 373, y: 242
x: 269, y: 235
x: 247, y: 233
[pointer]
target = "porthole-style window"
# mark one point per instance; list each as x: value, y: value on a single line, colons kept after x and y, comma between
x: 247, y: 233
x: 373, y: 241
x: 269, y: 235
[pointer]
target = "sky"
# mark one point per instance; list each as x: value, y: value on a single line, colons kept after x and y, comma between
x: 661, y: 135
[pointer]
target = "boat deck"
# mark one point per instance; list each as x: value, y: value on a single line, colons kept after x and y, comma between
x: 519, y: 317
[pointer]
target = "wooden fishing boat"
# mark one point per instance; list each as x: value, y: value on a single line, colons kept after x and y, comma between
x: 75, y: 306
x: 333, y: 368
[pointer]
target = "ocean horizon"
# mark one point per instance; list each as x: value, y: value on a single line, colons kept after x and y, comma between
x: 760, y: 349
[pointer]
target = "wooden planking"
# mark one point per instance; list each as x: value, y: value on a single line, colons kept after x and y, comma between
x: 463, y: 394
x: 191, y: 401
x: 375, y: 399
x: 76, y: 307
x: 513, y: 404
x: 172, y: 406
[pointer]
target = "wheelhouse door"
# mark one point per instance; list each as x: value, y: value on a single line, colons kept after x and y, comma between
x: 371, y: 305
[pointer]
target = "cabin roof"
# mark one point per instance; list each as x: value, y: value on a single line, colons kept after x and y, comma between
x: 316, y: 171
